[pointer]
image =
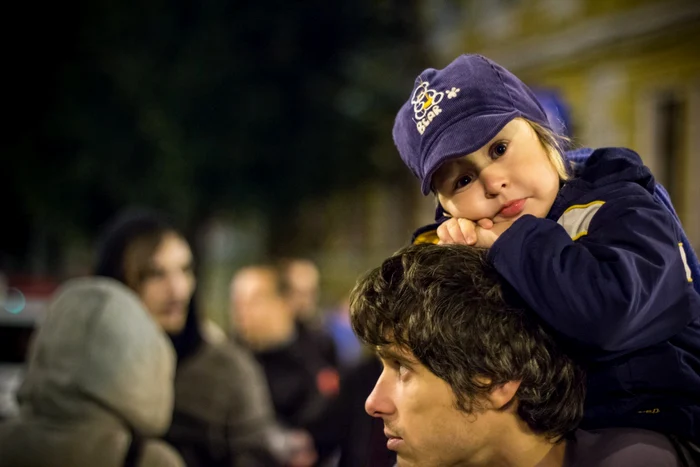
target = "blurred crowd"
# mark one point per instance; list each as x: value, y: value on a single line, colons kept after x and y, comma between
x: 125, y: 370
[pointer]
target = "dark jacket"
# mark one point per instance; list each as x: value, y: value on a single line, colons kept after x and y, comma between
x: 606, y: 270
x: 223, y: 416
x: 301, y: 382
x: 358, y: 436
x: 304, y: 382
x: 319, y: 343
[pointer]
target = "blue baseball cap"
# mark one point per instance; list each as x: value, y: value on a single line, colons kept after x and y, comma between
x: 455, y: 111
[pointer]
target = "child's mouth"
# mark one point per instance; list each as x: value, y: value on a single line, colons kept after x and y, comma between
x: 512, y: 208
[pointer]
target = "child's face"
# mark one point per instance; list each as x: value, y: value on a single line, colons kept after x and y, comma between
x: 508, y: 177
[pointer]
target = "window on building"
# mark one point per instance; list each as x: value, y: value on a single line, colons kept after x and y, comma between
x: 670, y: 113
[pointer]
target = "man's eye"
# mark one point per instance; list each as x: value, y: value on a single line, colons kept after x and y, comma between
x: 396, y: 366
x: 498, y: 150
x: 462, y: 182
x: 402, y: 370
x: 155, y: 274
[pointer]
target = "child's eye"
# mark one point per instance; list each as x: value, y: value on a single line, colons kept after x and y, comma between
x: 498, y: 150
x: 462, y: 181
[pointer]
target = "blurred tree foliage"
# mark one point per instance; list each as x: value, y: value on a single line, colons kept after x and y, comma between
x: 197, y: 107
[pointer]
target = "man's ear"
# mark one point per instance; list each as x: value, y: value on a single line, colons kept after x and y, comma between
x: 502, y: 396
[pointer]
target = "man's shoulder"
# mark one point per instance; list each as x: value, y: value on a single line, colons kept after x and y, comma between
x: 223, y: 363
x: 621, y: 447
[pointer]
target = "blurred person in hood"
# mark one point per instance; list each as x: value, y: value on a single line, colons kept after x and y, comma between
x: 99, y: 386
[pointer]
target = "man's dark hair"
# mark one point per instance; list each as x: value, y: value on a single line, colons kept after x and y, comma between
x: 446, y: 305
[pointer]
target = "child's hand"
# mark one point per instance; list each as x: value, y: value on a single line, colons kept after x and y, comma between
x: 465, y: 232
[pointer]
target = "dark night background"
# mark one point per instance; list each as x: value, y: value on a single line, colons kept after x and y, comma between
x: 192, y: 107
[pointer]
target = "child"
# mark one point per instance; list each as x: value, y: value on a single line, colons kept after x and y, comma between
x: 590, y: 250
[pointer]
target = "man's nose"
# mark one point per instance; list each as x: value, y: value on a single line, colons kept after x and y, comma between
x: 379, y: 403
x: 180, y: 286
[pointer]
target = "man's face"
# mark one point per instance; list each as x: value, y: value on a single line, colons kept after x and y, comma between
x: 421, y: 420
x: 252, y: 285
x: 167, y: 289
x: 257, y: 309
x: 303, y: 281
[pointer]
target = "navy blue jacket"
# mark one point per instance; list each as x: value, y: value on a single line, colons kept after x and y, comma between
x: 607, y: 271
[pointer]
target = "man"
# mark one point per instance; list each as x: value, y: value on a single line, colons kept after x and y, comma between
x: 301, y: 382
x: 259, y: 314
x: 222, y: 414
x: 471, y: 378
x: 300, y: 284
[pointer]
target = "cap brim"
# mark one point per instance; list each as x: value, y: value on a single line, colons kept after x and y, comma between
x: 461, y: 138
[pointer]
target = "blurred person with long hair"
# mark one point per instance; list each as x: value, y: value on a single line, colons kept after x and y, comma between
x: 222, y: 412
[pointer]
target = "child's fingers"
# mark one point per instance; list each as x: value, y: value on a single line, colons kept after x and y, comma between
x: 450, y: 232
x: 468, y: 231
x: 462, y: 231
x: 485, y: 223
x: 455, y: 230
x: 443, y: 234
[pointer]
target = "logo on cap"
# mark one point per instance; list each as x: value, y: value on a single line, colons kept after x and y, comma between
x: 425, y: 104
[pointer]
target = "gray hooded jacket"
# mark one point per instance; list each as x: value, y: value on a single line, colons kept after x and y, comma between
x: 99, y: 369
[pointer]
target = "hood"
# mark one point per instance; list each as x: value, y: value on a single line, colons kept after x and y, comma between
x: 607, y: 166
x: 117, y: 235
x: 99, y: 351
x: 112, y: 245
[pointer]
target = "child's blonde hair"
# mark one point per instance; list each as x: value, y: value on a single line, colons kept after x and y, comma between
x: 552, y: 143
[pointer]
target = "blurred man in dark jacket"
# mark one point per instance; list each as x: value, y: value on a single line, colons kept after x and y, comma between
x: 301, y: 380
x: 300, y: 288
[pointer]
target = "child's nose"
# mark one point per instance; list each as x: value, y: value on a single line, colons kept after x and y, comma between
x: 494, y: 181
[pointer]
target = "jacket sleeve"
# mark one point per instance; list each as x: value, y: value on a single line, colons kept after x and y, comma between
x: 623, y: 285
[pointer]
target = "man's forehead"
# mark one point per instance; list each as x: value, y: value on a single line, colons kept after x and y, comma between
x: 394, y: 351
x: 173, y: 251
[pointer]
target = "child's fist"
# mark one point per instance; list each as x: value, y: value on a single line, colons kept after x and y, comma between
x: 465, y: 232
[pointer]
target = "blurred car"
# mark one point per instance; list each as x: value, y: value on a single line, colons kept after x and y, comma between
x: 23, y: 304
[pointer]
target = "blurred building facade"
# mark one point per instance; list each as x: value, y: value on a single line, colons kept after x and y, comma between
x: 628, y: 70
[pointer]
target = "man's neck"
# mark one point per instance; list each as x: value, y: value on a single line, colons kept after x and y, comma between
x: 525, y: 449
